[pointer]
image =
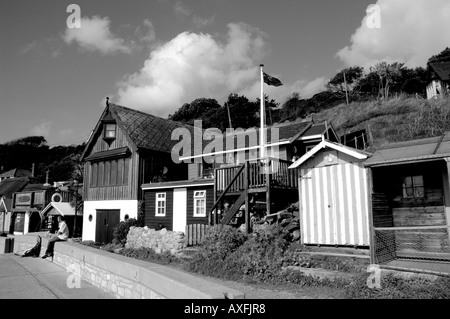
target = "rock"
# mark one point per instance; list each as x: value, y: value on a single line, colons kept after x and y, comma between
x: 118, y: 250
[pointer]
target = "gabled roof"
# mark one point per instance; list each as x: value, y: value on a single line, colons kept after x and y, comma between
x: 358, y: 154
x: 12, y: 185
x: 412, y: 151
x: 143, y: 131
x: 5, y: 204
x: 442, y: 70
x: 59, y: 208
x: 16, y: 172
x: 287, y: 133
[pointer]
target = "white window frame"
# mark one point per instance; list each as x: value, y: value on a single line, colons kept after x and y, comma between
x: 160, y: 198
x: 199, y: 196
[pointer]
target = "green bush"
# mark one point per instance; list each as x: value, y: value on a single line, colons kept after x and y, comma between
x: 120, y: 232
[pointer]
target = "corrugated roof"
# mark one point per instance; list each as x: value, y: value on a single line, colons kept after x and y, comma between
x: 412, y: 151
x: 442, y: 69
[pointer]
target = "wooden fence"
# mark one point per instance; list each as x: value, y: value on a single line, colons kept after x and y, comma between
x: 194, y: 234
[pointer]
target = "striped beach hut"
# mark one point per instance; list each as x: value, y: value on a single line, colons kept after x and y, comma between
x: 333, y: 198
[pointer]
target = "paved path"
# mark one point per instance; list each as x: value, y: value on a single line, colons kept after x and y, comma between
x: 37, y: 278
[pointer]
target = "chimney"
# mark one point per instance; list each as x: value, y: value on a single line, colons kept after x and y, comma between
x: 32, y: 170
x: 46, y: 179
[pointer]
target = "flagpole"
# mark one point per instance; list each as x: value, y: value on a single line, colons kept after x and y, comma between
x: 262, y: 117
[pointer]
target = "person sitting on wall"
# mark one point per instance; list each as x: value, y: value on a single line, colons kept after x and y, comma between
x: 61, y: 235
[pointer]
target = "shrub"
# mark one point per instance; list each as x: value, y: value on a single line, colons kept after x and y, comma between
x: 219, y: 242
x: 120, y: 232
x: 393, y: 287
x: 148, y: 254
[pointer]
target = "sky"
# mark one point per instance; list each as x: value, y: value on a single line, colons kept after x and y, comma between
x: 155, y: 55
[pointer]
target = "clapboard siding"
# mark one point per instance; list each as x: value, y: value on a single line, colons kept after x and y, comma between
x: 101, y: 146
x: 381, y: 211
x: 190, y: 204
x: 151, y: 220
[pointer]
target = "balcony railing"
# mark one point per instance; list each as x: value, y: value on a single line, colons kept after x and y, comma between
x: 256, y: 174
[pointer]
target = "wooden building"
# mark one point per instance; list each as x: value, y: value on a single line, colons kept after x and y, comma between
x: 173, y: 205
x: 332, y: 190
x: 439, y: 85
x: 26, y: 208
x: 126, y: 149
x: 243, y: 179
x: 8, y: 186
x: 409, y: 187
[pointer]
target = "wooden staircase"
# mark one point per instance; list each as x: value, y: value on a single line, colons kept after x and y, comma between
x: 250, y: 179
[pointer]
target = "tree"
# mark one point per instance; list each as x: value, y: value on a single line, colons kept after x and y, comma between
x: 444, y: 56
x: 197, y: 109
x: 388, y: 75
x: 346, y: 82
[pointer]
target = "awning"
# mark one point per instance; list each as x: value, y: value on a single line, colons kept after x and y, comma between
x: 115, y: 153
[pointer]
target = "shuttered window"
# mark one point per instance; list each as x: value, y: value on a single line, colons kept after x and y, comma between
x: 110, y: 173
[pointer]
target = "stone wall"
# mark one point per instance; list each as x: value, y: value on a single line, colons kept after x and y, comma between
x: 159, y: 240
x: 125, y: 277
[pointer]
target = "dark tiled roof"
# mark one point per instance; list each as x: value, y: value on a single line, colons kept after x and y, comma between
x: 442, y: 69
x: 36, y: 187
x: 412, y: 151
x: 16, y: 172
x: 12, y: 185
x: 148, y: 131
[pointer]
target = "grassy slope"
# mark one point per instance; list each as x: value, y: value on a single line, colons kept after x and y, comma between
x: 394, y: 120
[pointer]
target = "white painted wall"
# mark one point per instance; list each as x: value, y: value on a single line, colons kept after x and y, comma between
x: 129, y: 207
x: 179, y: 209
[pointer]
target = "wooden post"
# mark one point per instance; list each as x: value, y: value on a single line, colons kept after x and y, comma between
x: 210, y: 220
x: 268, y: 182
x: 446, y: 186
x: 247, y: 203
x: 370, y: 215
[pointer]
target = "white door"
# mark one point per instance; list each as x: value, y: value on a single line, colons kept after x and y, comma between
x: 179, y: 209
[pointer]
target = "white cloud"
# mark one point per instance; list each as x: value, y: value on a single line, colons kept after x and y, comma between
x: 181, y: 9
x: 194, y: 65
x: 42, y: 129
x: 95, y: 35
x: 308, y: 88
x: 29, y: 47
x: 409, y: 33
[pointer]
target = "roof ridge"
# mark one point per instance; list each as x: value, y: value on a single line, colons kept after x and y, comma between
x: 148, y: 114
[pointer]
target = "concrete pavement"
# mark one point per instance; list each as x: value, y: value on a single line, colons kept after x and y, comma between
x: 37, y: 278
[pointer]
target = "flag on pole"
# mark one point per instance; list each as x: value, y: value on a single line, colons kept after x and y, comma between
x: 270, y: 80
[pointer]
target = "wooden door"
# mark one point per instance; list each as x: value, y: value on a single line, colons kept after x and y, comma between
x: 107, y: 219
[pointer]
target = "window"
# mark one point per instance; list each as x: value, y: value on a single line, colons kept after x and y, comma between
x: 110, y: 131
x: 199, y: 203
x: 160, y: 204
x: 413, y: 187
x: 309, y: 147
